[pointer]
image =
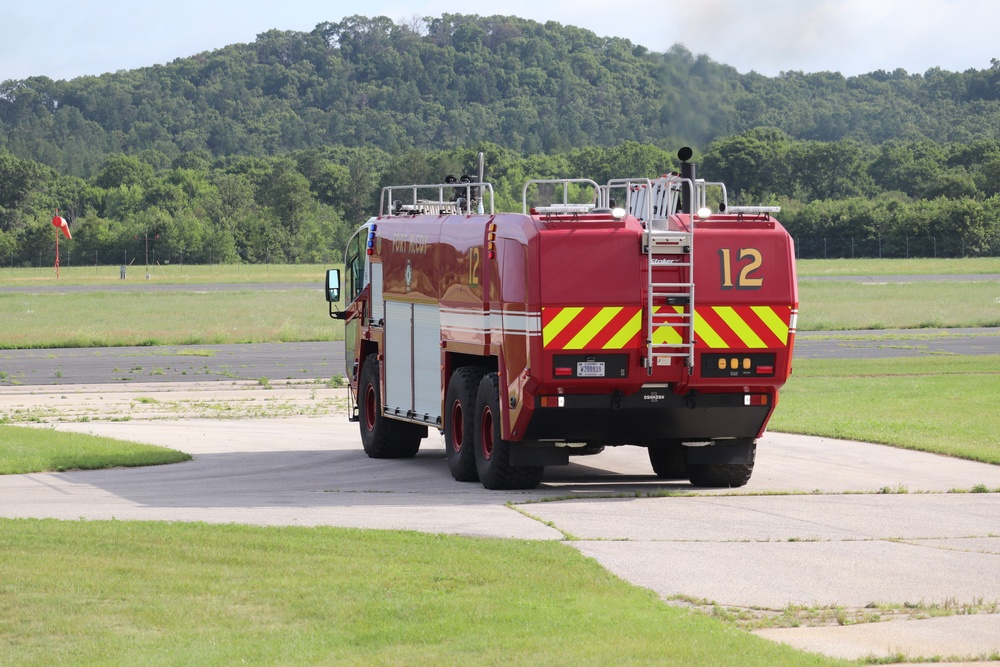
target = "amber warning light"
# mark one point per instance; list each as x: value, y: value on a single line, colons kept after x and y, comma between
x: 737, y: 365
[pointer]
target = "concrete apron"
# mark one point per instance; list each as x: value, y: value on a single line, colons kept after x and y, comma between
x: 829, y: 531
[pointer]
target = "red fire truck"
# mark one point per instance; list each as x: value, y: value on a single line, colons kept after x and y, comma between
x: 653, y: 315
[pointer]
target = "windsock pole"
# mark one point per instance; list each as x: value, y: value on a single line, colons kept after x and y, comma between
x: 58, y: 231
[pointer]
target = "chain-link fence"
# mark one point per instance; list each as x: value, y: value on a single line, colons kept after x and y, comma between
x: 852, y: 247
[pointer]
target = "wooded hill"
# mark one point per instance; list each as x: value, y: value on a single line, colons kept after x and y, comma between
x: 272, y: 151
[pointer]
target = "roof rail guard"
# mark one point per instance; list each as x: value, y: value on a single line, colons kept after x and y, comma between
x: 659, y: 198
x: 566, y: 206
x: 465, y: 197
x: 753, y: 210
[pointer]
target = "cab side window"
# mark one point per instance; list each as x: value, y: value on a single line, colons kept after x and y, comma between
x: 355, y: 267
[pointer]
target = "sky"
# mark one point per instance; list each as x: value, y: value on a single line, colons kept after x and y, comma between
x: 63, y: 39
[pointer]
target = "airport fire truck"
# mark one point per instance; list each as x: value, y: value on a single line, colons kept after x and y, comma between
x: 652, y: 314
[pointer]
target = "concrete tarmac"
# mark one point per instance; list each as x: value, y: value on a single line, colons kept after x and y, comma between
x: 832, y: 531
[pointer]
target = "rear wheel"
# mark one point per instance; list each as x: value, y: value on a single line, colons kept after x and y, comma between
x: 492, y: 452
x: 667, y: 459
x: 375, y: 427
x: 460, y: 422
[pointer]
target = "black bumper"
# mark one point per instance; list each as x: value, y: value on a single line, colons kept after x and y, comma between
x: 649, y: 415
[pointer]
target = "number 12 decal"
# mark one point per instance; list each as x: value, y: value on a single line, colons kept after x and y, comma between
x: 474, y: 260
x: 745, y: 279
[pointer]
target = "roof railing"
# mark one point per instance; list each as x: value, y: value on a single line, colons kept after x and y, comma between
x: 459, y: 198
x: 566, y: 206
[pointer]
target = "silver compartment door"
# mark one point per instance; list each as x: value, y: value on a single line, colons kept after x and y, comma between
x: 398, y: 360
x: 427, y: 362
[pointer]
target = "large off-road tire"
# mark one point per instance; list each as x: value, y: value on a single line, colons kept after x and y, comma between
x: 492, y: 452
x: 724, y: 476
x: 375, y: 427
x: 667, y: 459
x: 460, y: 422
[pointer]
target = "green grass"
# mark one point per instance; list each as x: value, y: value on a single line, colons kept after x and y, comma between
x: 116, y: 318
x: 105, y: 318
x: 948, y: 405
x: 186, y: 274
x: 826, y: 306
x: 176, y: 593
x: 24, y: 450
x: 98, y: 319
x: 896, y: 267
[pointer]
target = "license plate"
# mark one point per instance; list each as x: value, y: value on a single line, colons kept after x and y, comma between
x: 590, y: 369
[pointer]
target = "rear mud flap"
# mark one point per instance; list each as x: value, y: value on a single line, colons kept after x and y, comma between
x: 722, y: 453
x: 527, y: 455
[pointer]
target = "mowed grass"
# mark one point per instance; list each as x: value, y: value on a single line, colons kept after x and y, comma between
x: 897, y: 267
x: 175, y: 274
x: 175, y: 593
x: 942, y: 404
x: 24, y: 450
x: 831, y: 306
x: 112, y: 317
x: 104, y: 318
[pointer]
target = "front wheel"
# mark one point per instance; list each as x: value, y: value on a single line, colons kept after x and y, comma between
x: 374, y: 426
x: 492, y: 452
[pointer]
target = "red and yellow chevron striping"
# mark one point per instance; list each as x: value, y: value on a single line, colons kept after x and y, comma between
x: 620, y: 327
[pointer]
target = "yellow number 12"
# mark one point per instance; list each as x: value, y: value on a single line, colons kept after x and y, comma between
x: 745, y: 279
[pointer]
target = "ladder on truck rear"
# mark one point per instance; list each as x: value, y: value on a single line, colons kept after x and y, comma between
x: 670, y: 309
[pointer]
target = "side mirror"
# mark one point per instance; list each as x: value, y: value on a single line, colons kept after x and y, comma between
x: 333, y: 285
x: 333, y: 293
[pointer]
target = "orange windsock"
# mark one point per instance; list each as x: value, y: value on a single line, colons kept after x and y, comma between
x: 60, y: 222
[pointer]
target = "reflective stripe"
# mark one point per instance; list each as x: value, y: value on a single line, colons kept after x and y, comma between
x: 667, y: 334
x: 558, y: 323
x: 592, y: 328
x: 622, y: 327
x: 626, y: 334
x: 773, y: 322
x: 706, y: 334
x: 739, y: 327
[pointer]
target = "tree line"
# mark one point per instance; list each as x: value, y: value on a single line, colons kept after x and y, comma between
x: 302, y: 206
x: 898, y: 199
x: 443, y: 83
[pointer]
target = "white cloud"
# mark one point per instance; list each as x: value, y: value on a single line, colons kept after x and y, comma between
x: 849, y: 36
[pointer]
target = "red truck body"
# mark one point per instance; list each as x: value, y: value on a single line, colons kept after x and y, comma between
x: 529, y: 337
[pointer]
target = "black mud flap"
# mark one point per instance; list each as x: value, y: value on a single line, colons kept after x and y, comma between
x: 528, y: 455
x: 722, y: 452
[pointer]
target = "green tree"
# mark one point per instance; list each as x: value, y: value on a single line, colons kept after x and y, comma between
x: 123, y: 170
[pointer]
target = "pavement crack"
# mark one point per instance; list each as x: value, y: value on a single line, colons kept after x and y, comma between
x: 567, y: 537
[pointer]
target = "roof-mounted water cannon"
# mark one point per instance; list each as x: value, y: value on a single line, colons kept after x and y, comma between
x: 687, y: 173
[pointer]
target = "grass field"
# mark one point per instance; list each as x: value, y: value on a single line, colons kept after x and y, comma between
x: 24, y: 450
x: 105, y: 318
x: 831, y: 306
x: 948, y: 405
x: 897, y: 267
x: 313, y: 273
x: 176, y: 274
x: 175, y: 593
x: 148, y: 317
x: 102, y: 318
